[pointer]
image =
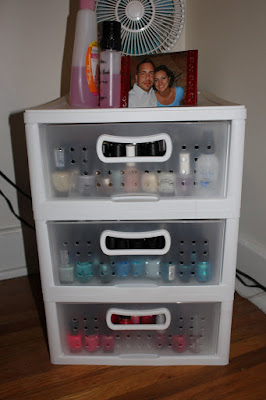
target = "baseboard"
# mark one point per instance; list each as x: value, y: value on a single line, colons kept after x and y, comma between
x: 13, y: 263
x: 251, y: 259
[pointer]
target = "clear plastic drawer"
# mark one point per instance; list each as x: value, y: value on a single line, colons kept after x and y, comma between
x: 117, y: 160
x: 146, y: 330
x: 188, y: 252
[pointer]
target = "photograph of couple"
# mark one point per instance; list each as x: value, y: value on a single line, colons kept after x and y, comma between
x: 158, y: 80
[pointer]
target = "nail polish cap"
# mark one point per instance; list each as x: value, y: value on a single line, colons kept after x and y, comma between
x: 87, y: 4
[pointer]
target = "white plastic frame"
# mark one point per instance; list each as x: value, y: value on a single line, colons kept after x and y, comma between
x: 135, y: 140
x: 135, y: 235
x: 138, y: 313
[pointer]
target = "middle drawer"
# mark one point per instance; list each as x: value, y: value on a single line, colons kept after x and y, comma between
x: 104, y: 253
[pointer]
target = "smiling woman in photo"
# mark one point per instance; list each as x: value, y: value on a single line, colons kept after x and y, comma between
x: 167, y: 95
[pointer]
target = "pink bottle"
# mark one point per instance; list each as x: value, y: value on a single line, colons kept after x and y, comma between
x: 84, y: 75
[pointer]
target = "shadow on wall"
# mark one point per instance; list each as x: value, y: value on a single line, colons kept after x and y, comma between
x: 18, y: 140
x: 68, y: 47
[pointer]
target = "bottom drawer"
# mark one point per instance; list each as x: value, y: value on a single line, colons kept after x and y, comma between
x: 139, y: 334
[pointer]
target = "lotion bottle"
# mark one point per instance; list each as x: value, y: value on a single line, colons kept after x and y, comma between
x: 207, y: 169
x: 84, y: 75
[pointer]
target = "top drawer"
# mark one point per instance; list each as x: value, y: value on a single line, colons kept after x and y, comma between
x: 122, y: 160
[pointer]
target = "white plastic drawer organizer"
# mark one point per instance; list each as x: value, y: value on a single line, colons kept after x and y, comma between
x: 121, y: 160
x: 116, y: 253
x: 138, y: 333
x: 137, y: 215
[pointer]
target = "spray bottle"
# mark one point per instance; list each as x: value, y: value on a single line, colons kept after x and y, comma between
x: 84, y: 75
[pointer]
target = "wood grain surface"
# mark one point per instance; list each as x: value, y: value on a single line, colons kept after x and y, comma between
x: 26, y: 372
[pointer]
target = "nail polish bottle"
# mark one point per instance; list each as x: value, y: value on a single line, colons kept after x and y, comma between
x: 86, y: 184
x: 74, y: 336
x: 166, y: 182
x: 185, y: 268
x: 168, y: 271
x: 138, y: 267
x: 131, y: 174
x: 105, y: 273
x: 185, y: 177
x: 149, y: 182
x: 179, y: 343
x: 161, y: 335
x: 122, y: 269
x: 195, y: 334
x: 66, y: 269
x: 84, y: 271
x: 152, y: 268
x: 91, y: 338
x: 203, y: 271
x: 61, y: 177
x: 107, y: 340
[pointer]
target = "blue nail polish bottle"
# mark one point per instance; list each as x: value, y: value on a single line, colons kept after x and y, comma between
x: 138, y: 266
x: 84, y: 271
x: 105, y: 273
x: 185, y: 269
x: 122, y: 269
x: 168, y: 272
x: 203, y: 271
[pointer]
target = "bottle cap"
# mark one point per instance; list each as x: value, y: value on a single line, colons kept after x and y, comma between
x: 111, y: 35
x: 87, y: 4
x: 130, y: 150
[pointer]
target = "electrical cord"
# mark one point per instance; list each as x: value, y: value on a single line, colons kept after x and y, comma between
x: 238, y: 272
x: 256, y: 283
x: 14, y: 185
x: 9, y: 202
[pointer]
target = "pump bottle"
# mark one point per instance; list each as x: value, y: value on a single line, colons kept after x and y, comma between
x: 84, y: 75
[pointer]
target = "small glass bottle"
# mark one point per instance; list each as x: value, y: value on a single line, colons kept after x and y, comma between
x: 110, y: 64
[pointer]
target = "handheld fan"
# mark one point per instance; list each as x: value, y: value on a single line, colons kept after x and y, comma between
x: 147, y: 26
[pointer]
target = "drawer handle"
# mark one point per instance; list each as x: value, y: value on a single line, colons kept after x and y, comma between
x: 118, y: 149
x: 152, y: 319
x: 156, y: 242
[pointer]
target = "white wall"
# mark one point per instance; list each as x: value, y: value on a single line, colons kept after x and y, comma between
x: 230, y: 36
x: 32, y: 40
x: 36, y: 39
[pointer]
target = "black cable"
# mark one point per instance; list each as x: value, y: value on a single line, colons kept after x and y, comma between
x: 13, y: 211
x: 256, y: 283
x: 14, y: 185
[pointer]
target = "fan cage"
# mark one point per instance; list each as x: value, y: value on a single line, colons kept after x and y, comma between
x: 147, y: 26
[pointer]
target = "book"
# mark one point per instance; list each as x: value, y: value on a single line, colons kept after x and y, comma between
x: 183, y: 64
